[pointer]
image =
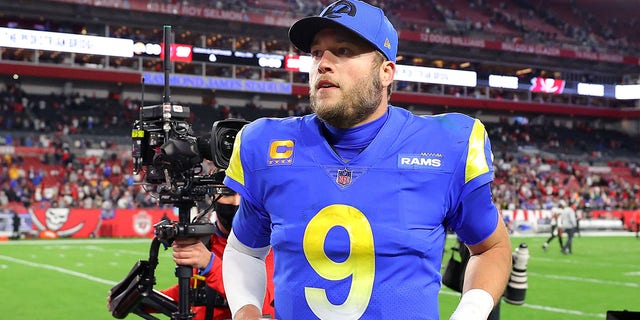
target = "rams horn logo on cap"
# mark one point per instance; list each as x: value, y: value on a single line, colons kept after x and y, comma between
x: 340, y: 8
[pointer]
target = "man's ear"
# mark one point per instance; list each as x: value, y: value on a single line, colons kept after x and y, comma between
x: 387, y: 72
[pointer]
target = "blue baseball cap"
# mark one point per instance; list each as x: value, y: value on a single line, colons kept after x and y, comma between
x: 365, y: 20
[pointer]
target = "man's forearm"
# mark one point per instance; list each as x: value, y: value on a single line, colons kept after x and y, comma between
x: 244, y: 276
x: 485, y: 280
x: 490, y: 264
x: 489, y: 271
x: 485, y: 277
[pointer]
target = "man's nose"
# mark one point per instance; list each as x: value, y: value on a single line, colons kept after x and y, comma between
x: 326, y: 62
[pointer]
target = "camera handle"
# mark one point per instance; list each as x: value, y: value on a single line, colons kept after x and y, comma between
x: 185, y: 229
x: 183, y: 273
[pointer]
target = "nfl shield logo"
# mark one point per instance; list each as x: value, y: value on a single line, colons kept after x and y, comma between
x: 344, y: 177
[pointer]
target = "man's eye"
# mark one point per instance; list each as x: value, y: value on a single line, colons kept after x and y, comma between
x: 316, y: 53
x: 344, y: 51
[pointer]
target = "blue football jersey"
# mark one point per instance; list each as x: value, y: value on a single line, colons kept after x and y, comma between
x: 362, y: 239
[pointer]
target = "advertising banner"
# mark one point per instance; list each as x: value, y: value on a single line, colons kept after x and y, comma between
x: 124, y: 223
x: 65, y: 222
x: 90, y: 223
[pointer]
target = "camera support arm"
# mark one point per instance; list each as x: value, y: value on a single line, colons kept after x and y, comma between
x: 183, y: 273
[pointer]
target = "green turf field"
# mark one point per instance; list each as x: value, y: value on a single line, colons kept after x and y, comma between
x: 69, y: 279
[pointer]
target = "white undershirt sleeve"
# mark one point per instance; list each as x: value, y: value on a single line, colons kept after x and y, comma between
x: 244, y: 274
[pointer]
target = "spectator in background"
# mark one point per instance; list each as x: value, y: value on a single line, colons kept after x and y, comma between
x: 569, y: 224
x: 553, y: 227
x: 16, y: 221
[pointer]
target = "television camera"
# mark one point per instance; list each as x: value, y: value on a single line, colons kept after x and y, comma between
x: 170, y: 156
x: 164, y: 143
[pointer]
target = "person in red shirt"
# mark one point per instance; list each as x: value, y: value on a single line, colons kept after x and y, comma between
x: 207, y: 261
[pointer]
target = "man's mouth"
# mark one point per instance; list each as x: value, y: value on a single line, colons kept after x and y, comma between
x: 325, y: 84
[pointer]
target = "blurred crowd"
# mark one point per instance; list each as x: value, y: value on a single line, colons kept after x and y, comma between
x: 61, y: 179
x: 61, y: 113
x: 534, y: 183
x: 537, y: 163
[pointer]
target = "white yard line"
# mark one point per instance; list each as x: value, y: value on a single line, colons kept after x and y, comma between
x: 71, y: 241
x: 568, y: 260
x: 564, y: 311
x: 58, y: 269
x: 578, y: 279
x: 60, y: 244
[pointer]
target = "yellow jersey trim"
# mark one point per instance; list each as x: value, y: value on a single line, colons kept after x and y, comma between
x: 235, y: 170
x: 476, y: 158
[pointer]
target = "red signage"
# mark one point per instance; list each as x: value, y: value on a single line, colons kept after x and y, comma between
x: 179, y: 52
x: 547, y: 85
x: 66, y: 223
x: 296, y: 63
x: 88, y: 223
x: 631, y: 218
x: 133, y: 222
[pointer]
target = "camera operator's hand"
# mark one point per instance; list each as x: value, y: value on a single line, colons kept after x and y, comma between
x: 191, y: 252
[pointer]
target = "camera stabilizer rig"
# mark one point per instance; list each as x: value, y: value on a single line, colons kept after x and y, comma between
x: 166, y: 151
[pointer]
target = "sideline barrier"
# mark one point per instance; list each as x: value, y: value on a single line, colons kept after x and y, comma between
x: 133, y: 223
x: 539, y: 220
x: 86, y: 223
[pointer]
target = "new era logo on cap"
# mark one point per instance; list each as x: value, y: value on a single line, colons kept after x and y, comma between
x: 365, y: 20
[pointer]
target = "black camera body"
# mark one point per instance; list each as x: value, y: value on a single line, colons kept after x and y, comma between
x: 165, y: 147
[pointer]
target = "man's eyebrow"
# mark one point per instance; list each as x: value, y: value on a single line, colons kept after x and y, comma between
x: 342, y: 39
x: 347, y: 39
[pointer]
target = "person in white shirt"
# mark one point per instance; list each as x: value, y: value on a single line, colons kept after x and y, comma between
x: 554, y: 228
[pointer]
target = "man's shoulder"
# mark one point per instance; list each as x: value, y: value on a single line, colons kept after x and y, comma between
x: 449, y: 126
x: 265, y: 127
x: 451, y: 121
x: 269, y: 122
x: 261, y: 125
x: 457, y: 122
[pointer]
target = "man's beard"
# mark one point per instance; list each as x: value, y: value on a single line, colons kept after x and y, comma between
x: 356, y: 104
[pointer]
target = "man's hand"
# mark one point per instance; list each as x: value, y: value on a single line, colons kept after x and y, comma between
x: 191, y: 252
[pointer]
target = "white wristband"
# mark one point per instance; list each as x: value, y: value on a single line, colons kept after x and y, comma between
x: 476, y: 304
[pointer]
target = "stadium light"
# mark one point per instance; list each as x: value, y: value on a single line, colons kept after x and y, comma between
x: 436, y: 75
x: 627, y: 92
x: 507, y: 82
x: 590, y: 89
x: 65, y: 42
